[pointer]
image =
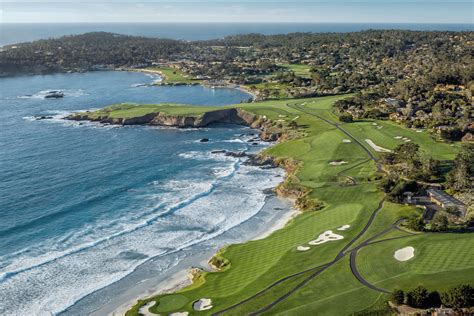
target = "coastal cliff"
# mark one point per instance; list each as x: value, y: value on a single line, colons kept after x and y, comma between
x: 231, y: 116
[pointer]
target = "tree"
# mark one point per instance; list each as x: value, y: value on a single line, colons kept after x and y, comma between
x: 460, y: 178
x: 459, y: 297
x: 439, y: 222
x: 346, y: 118
x: 397, y: 297
x: 418, y: 297
x: 416, y: 223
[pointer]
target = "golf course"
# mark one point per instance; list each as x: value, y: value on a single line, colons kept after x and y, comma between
x: 337, y: 259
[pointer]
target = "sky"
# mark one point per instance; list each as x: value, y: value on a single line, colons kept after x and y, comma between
x: 302, y: 11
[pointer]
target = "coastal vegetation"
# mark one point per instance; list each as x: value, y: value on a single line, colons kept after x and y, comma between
x: 271, y: 275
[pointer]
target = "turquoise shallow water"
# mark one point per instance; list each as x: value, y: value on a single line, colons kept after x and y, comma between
x: 83, y: 205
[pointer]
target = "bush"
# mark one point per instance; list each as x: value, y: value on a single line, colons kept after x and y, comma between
x: 460, y: 296
x: 420, y: 297
x: 397, y: 297
x: 417, y: 297
x: 346, y: 117
x: 439, y: 222
x: 416, y: 223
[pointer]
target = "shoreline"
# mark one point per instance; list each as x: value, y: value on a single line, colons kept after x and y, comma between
x: 179, y: 276
x: 224, y: 84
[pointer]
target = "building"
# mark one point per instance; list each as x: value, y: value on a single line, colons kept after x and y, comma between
x: 445, y: 200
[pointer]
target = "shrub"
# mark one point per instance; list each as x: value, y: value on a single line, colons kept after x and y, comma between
x: 418, y: 297
x: 397, y: 297
x: 460, y: 296
x: 346, y: 117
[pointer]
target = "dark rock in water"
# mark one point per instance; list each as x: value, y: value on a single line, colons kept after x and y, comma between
x: 278, y: 209
x: 54, y: 94
x: 204, y: 140
x: 255, y: 144
x: 268, y: 191
x: 222, y: 151
x: 237, y: 154
x: 43, y: 117
x: 254, y: 160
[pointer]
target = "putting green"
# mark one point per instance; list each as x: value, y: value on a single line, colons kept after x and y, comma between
x: 440, y: 261
x: 170, y: 303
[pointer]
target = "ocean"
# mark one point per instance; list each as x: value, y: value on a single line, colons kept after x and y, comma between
x: 88, y: 211
x: 21, y: 32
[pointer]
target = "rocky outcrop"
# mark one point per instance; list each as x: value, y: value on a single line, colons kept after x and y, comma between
x: 232, y: 116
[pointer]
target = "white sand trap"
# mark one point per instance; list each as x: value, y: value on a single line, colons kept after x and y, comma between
x: 346, y: 141
x: 419, y: 131
x: 398, y: 137
x: 281, y: 115
x: 302, y: 248
x: 337, y: 163
x: 374, y: 124
x: 344, y: 227
x: 407, y: 140
x: 179, y: 314
x: 377, y: 148
x: 203, y: 304
x: 379, y: 127
x: 325, y: 237
x: 144, y: 310
x: 404, y: 254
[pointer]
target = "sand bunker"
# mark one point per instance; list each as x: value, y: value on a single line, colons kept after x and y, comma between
x: 346, y: 141
x: 302, y: 248
x: 344, y: 227
x: 419, y: 131
x: 377, y: 148
x: 202, y: 304
x: 325, y: 237
x: 398, y: 137
x: 374, y: 124
x: 144, y: 310
x: 179, y: 314
x: 337, y: 163
x: 404, y: 254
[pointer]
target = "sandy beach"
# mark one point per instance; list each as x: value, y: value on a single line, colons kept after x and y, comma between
x: 275, y: 214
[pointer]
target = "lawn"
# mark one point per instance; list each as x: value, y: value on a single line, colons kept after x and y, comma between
x: 300, y: 70
x: 174, y: 76
x: 383, y: 134
x: 440, y: 261
x: 256, y: 265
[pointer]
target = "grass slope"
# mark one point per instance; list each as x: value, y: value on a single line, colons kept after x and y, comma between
x: 256, y: 265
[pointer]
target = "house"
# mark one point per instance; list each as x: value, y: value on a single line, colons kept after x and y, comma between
x: 446, y: 201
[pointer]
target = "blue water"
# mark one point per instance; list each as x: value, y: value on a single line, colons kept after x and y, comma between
x: 83, y: 205
x: 15, y: 33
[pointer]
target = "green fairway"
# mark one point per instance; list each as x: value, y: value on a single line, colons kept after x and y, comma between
x: 440, y: 261
x: 300, y: 70
x: 173, y: 76
x: 387, y: 134
x: 262, y: 271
